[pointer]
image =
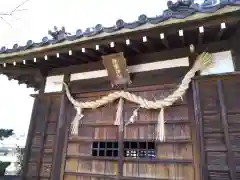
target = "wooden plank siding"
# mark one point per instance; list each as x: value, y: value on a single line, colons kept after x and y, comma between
x: 219, y: 114
x: 211, y: 138
x: 43, y: 139
x: 174, y: 158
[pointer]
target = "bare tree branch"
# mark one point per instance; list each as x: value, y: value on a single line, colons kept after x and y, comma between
x: 16, y: 8
x: 8, y: 14
x: 6, y: 22
x: 4, y: 14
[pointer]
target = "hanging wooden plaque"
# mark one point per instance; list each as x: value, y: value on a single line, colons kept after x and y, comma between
x: 116, y: 67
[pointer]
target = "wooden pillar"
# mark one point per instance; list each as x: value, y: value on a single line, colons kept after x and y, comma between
x: 31, y: 129
x: 199, y: 150
x: 192, y: 102
x: 61, y: 137
x: 120, y: 144
x: 230, y: 155
x: 235, y: 45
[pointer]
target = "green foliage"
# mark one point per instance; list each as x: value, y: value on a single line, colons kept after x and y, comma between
x: 5, y: 133
x: 3, y: 166
x: 20, y: 153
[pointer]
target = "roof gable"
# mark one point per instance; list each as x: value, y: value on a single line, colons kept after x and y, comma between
x: 181, y: 11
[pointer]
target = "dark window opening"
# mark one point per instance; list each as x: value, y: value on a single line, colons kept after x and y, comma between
x: 132, y: 149
x: 105, y: 149
x: 139, y: 149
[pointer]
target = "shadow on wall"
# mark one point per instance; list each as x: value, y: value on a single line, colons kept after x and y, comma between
x: 10, y: 178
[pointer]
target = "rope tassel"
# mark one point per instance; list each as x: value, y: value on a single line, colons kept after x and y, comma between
x: 119, y: 112
x: 75, y: 122
x: 160, y: 126
x: 133, y: 117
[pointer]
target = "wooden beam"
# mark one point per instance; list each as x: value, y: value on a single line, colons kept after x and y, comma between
x: 121, y: 130
x: 147, y: 57
x: 153, y: 44
x: 109, y: 49
x: 180, y: 62
x: 30, y: 76
x: 61, y: 137
x: 139, y: 79
x: 45, y: 110
x: 223, y: 113
x: 86, y: 56
x: 132, y: 45
x: 65, y: 58
x: 192, y: 116
x: 221, y: 31
x: 118, y: 47
x: 32, y: 125
x: 93, y: 53
x: 17, y: 70
x: 235, y: 39
x: 199, y: 130
x: 142, y: 58
x: 164, y: 40
x: 194, y: 133
x: 200, y: 38
x: 145, y: 44
x: 101, y: 49
x: 27, y: 149
x: 47, y: 64
x: 74, y: 57
x: 181, y: 36
x: 200, y: 35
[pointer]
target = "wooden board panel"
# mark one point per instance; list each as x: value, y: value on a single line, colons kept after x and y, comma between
x: 98, y: 125
x: 91, y: 166
x: 220, y: 112
x: 42, y: 146
x: 46, y: 169
x: 105, y: 133
x: 159, y: 171
x: 82, y: 149
x: 71, y: 177
x: 174, y: 151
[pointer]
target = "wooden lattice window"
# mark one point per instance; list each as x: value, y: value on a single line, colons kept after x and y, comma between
x: 132, y: 149
x: 139, y: 149
x: 105, y: 148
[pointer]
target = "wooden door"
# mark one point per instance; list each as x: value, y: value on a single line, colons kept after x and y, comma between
x: 217, y: 113
x: 101, y: 151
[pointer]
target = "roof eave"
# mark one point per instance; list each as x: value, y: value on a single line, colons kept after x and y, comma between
x: 227, y: 10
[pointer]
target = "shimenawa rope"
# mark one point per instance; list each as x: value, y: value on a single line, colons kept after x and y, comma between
x: 203, y: 61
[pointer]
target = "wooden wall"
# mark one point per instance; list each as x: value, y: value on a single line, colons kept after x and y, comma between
x: 210, y: 139
x: 218, y: 113
x: 173, y: 159
x: 217, y: 133
x: 45, y: 118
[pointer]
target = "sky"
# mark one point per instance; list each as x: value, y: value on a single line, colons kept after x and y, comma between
x: 34, y: 20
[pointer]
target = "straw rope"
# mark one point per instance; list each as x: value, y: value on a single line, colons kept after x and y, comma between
x: 203, y: 61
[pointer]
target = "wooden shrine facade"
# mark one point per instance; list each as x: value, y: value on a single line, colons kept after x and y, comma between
x: 201, y: 128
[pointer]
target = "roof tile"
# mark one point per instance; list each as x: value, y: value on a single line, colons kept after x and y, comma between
x: 178, y: 10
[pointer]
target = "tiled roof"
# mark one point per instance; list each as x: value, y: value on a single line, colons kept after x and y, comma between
x: 180, y: 11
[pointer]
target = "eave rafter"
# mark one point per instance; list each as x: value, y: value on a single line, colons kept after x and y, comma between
x: 17, y: 70
x: 177, y: 15
x: 29, y: 76
x: 146, y: 35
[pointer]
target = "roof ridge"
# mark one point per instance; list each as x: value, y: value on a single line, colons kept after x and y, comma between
x: 178, y: 10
